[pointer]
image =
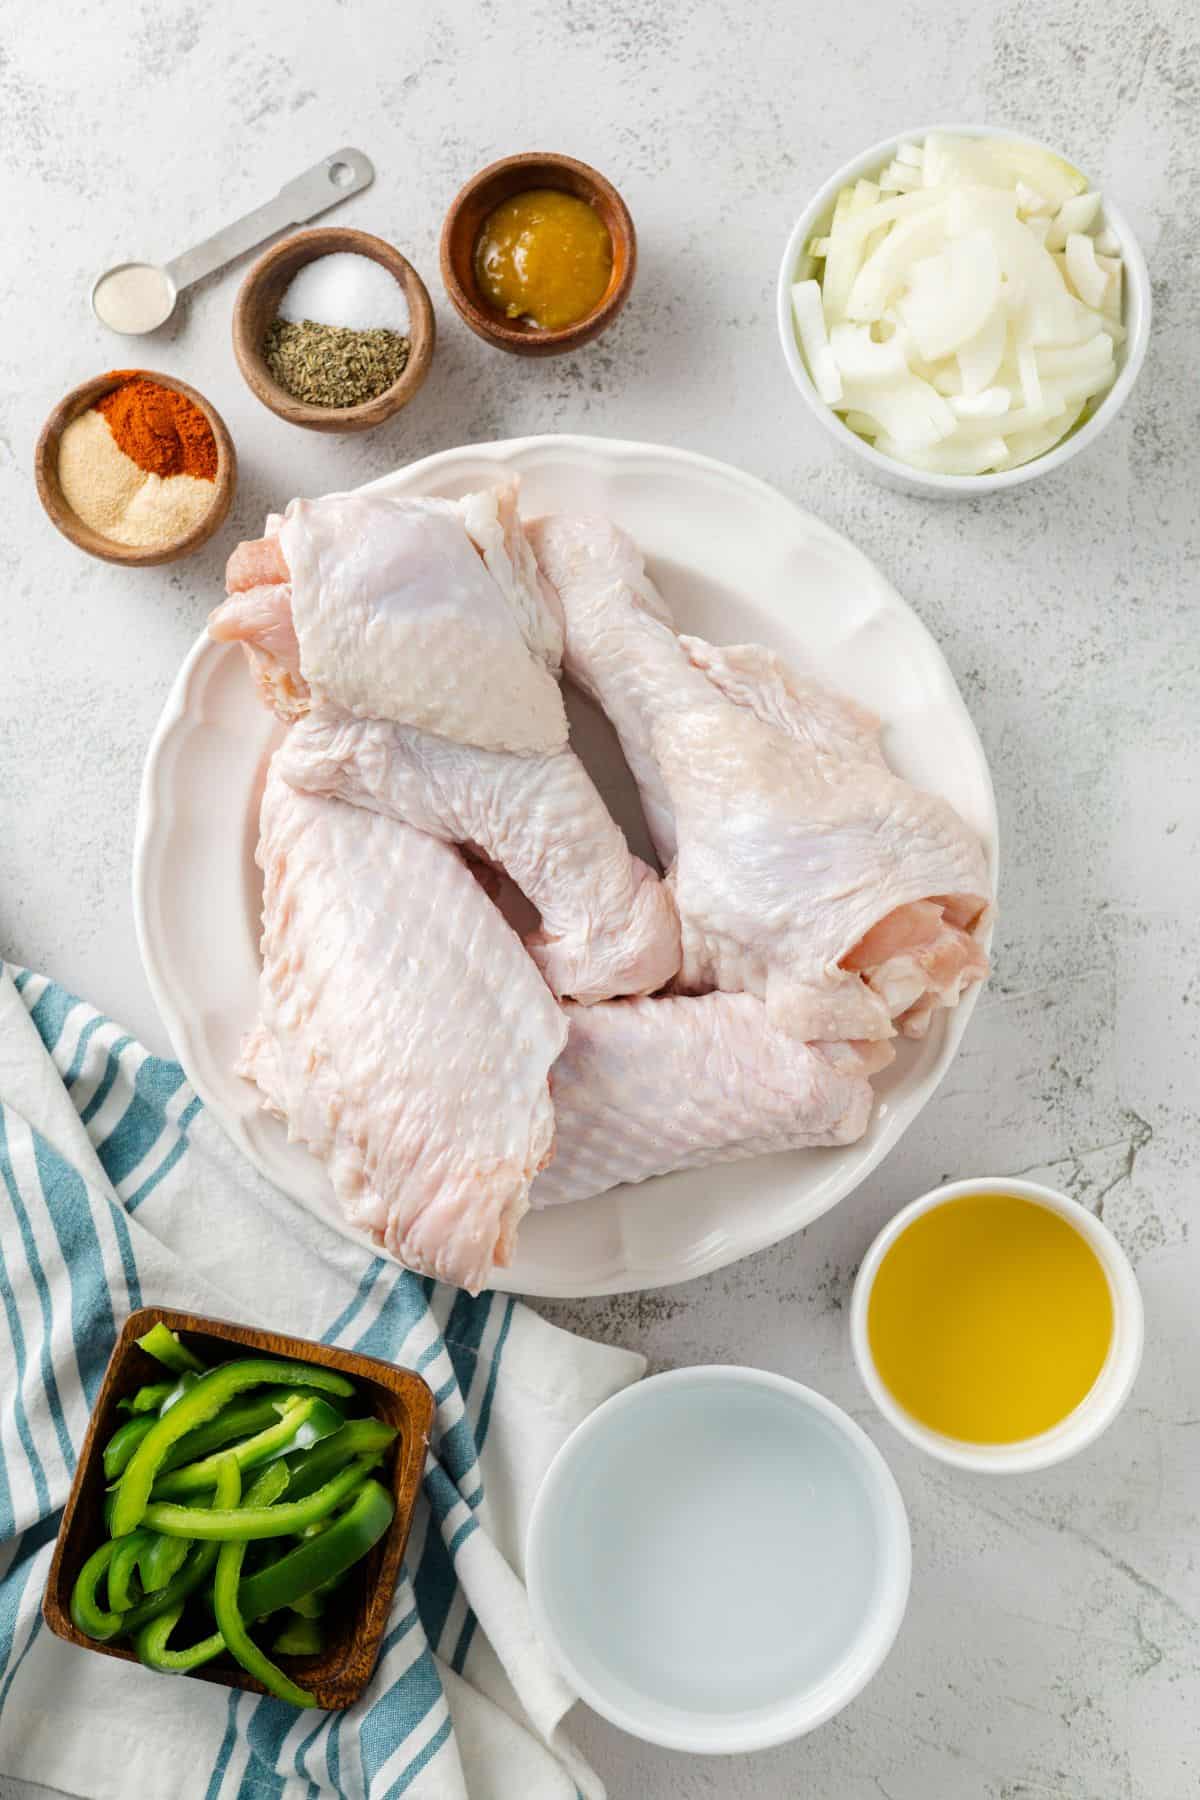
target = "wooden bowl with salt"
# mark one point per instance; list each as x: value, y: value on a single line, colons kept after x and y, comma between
x: 257, y: 308
x: 63, y: 516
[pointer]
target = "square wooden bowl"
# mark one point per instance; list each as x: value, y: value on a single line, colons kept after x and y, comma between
x: 359, y: 1610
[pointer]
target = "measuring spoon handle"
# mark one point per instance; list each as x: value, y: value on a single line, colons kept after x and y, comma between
x: 334, y: 178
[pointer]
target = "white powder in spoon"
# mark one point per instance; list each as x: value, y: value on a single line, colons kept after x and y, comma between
x: 345, y: 289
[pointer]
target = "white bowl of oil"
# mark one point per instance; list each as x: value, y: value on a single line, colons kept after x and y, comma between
x: 997, y: 1325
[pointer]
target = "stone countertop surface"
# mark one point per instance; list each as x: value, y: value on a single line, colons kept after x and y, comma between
x: 1051, y: 1649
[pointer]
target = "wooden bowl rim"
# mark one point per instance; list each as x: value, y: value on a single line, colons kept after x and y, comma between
x: 334, y: 1688
x: 483, y: 319
x: 67, y: 521
x: 326, y: 240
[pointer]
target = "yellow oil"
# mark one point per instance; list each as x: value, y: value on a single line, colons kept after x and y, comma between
x: 544, y: 256
x: 990, y: 1318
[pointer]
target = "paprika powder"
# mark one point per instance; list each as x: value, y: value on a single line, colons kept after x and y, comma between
x: 162, y: 431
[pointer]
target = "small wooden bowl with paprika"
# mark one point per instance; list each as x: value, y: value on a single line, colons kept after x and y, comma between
x: 133, y: 428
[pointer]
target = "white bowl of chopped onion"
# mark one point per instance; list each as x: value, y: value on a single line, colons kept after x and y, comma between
x: 960, y: 311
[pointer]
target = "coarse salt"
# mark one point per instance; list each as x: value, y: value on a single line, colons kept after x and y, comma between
x: 349, y: 290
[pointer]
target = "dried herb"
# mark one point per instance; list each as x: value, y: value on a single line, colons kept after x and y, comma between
x: 327, y: 365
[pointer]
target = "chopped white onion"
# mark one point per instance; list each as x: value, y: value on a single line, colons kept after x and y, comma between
x: 907, y: 409
x: 887, y: 269
x: 1087, y: 277
x: 1077, y: 214
x: 1031, y: 385
x: 967, y: 305
x: 814, y: 341
x: 1030, y: 204
x: 950, y: 459
x: 951, y: 296
x: 989, y: 404
x: 860, y: 357
x: 981, y: 356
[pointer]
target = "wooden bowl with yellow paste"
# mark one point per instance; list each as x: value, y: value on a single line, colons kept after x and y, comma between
x: 476, y: 204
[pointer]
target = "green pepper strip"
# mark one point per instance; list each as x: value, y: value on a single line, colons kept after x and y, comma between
x: 310, y: 1418
x: 89, y: 1616
x: 226, y: 1583
x: 242, y: 1419
x: 151, y: 1645
x: 120, y: 1572
x: 151, y: 1638
x: 148, y: 1399
x: 204, y: 1401
x: 95, y: 1622
x: 321, y: 1559
x: 122, y: 1444
x: 161, y: 1343
x: 299, y: 1637
x: 162, y: 1560
x: 183, y: 1385
x: 246, y: 1522
x: 310, y: 1606
x: 359, y: 1437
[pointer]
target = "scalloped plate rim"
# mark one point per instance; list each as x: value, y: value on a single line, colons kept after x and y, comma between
x: 733, y: 1239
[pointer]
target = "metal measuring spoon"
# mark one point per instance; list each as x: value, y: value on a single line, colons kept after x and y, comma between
x: 135, y: 297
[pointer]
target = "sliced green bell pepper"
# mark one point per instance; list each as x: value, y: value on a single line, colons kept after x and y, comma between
x: 121, y: 1570
x: 122, y: 1444
x: 357, y: 1438
x: 310, y: 1606
x: 299, y: 1637
x: 86, y: 1611
x: 93, y: 1620
x: 226, y: 1583
x: 303, y: 1422
x: 161, y: 1560
x: 205, y: 1400
x: 245, y: 1522
x: 240, y: 1419
x: 161, y: 1343
x: 322, y: 1559
x: 148, y: 1399
x: 185, y: 1383
x: 151, y: 1644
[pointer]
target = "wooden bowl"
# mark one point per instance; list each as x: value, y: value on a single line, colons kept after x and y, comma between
x: 62, y: 516
x: 257, y: 306
x: 489, y: 189
x: 358, y: 1612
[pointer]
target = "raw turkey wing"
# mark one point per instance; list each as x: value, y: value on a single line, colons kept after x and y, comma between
x: 786, y: 837
x: 647, y: 1086
x: 608, y: 924
x: 526, y: 804
x: 404, y: 1035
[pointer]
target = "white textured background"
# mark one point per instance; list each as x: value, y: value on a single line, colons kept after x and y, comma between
x: 1051, y: 1650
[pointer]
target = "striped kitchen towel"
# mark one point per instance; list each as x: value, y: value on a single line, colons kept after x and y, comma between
x: 118, y: 1189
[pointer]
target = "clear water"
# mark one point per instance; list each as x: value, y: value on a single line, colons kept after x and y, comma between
x: 715, y: 1552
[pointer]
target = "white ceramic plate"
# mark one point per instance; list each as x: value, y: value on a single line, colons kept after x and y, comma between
x: 737, y: 562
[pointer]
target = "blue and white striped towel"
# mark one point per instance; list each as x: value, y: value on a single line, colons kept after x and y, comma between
x: 117, y: 1188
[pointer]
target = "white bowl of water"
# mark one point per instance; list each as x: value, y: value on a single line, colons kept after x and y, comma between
x: 718, y: 1559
